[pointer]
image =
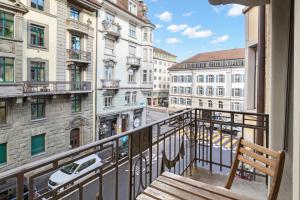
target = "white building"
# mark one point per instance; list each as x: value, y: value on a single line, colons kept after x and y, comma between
x: 124, y: 66
x: 213, y: 80
x: 162, y: 61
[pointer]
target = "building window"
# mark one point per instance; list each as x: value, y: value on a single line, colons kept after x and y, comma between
x: 38, y: 4
x: 109, y: 18
x: 221, y: 78
x: 108, y: 72
x: 235, y: 106
x: 220, y: 91
x: 132, y: 30
x: 3, y: 112
x: 145, y: 54
x: 200, y: 79
x: 237, y: 78
x: 145, y: 38
x: 6, y: 69
x: 199, y: 90
x: 237, y: 92
x: 74, y: 13
x: 188, y: 79
x: 131, y: 76
x: 134, y: 95
x: 144, y: 76
x: 38, y: 108
x: 37, y: 71
x: 200, y: 103
x: 6, y: 25
x: 181, y: 90
x: 108, y: 101
x: 132, y: 8
x: 150, y: 76
x: 210, y: 104
x: 3, y: 153
x: 181, y: 101
x: 37, y: 144
x: 209, y: 91
x: 127, y: 97
x: 109, y: 46
x: 76, y: 103
x: 188, y: 102
x: 76, y: 43
x: 174, y: 90
x: 210, y: 78
x: 188, y: 90
x: 37, y: 36
x: 220, y: 104
x: 132, y: 50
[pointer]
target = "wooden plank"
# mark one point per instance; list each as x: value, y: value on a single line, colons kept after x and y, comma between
x: 181, y: 194
x: 256, y: 165
x: 191, y: 189
x: 217, y: 190
x: 258, y: 157
x: 261, y: 149
x: 157, y: 194
x: 144, y: 196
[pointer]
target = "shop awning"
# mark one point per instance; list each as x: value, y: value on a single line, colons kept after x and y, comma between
x: 249, y: 3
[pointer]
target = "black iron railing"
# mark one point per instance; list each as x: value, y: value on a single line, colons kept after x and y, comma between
x: 133, y: 61
x: 55, y: 86
x: 110, y: 84
x: 132, y: 160
x: 79, y: 55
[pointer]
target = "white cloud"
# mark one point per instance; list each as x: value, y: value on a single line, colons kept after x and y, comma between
x: 218, y: 9
x: 187, y: 14
x: 176, y: 28
x: 165, y: 16
x: 158, y: 26
x: 235, y: 10
x: 157, y: 41
x: 173, y: 41
x: 194, y: 32
x: 153, y: 0
x: 220, y: 39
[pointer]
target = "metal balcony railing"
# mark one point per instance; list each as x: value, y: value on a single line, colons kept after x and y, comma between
x: 111, y: 28
x: 55, y: 86
x: 133, y: 159
x: 110, y: 84
x: 79, y: 55
x: 133, y: 61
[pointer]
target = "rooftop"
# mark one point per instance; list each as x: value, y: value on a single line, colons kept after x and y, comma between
x: 158, y: 50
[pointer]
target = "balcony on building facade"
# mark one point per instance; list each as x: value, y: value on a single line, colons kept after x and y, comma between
x: 78, y: 26
x: 56, y: 87
x: 112, y: 28
x: 133, y: 61
x: 11, y: 90
x: 198, y: 139
x: 110, y: 84
x: 74, y: 55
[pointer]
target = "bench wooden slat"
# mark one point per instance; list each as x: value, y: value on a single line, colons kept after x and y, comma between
x: 145, y: 197
x: 256, y: 165
x: 221, y: 191
x: 191, y: 189
x: 175, y: 192
x: 157, y: 194
x: 256, y: 156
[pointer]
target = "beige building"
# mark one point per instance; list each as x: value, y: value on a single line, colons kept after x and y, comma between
x: 161, y: 80
x: 47, y: 59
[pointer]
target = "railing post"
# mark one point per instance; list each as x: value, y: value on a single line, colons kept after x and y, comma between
x: 210, y: 141
x: 20, y: 186
x: 150, y: 154
x: 195, y: 136
x: 130, y: 157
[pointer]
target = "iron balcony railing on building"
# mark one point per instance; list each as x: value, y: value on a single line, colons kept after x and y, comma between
x: 133, y: 159
x: 133, y: 61
x: 111, y: 28
x: 110, y: 84
x: 79, y: 55
x: 56, y: 86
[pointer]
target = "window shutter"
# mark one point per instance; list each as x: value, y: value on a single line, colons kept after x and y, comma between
x: 3, y: 153
x: 37, y: 144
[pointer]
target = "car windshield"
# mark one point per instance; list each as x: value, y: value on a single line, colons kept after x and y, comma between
x: 70, y: 168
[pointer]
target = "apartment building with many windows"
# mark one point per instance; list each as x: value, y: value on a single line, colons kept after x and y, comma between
x: 213, y: 80
x: 162, y: 61
x: 124, y: 66
x: 46, y: 73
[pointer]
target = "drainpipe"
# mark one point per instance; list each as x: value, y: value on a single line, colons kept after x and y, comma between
x: 261, y: 71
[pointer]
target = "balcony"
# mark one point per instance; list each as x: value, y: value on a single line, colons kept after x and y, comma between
x: 79, y: 56
x: 11, y: 90
x: 110, y: 84
x: 112, y: 28
x: 134, y: 159
x: 78, y: 26
x: 133, y: 61
x: 56, y: 87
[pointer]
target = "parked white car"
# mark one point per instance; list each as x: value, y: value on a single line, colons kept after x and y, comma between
x: 73, y: 170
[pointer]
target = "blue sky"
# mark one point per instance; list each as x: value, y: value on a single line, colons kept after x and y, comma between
x: 188, y: 27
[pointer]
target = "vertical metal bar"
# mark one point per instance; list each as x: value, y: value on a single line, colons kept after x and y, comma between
x: 179, y: 172
x: 210, y: 142
x: 195, y: 137
x: 150, y: 152
x: 80, y: 192
x: 100, y: 184
x: 20, y: 186
x: 231, y: 132
x: 130, y: 157
x: 157, y: 150
x: 117, y: 170
x: 30, y: 188
x: 221, y: 147
x: 174, y: 150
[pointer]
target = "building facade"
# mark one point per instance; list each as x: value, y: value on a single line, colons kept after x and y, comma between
x: 46, y: 65
x: 162, y: 61
x: 213, y: 80
x: 124, y: 66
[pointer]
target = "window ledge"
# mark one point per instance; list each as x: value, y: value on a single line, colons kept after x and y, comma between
x: 3, y: 164
x: 5, y: 126
x: 37, y: 47
x: 38, y: 120
x: 39, y: 154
